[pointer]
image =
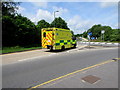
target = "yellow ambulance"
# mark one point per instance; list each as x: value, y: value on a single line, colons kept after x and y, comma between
x: 57, y: 38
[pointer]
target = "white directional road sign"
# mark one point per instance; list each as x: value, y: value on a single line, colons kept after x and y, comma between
x: 88, y: 36
x: 103, y: 31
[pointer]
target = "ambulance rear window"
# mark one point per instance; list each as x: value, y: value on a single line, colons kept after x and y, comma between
x: 44, y: 34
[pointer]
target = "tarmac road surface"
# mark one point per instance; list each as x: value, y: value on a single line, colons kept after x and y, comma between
x: 29, y: 73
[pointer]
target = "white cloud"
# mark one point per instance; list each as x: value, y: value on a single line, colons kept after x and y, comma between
x: 108, y: 4
x: 78, y: 25
x: 67, y: 0
x: 20, y: 9
x: 37, y: 3
x: 48, y: 16
x: 43, y: 14
x: 116, y: 26
x: 40, y: 4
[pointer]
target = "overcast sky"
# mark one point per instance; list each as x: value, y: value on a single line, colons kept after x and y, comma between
x: 80, y: 16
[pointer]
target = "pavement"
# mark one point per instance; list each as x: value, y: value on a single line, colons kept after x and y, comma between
x: 84, y: 39
x: 19, y: 56
x: 96, y: 76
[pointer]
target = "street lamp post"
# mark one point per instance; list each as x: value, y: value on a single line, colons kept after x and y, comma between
x: 102, y: 34
x: 54, y: 16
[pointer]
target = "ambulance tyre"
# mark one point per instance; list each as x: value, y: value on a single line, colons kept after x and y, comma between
x: 51, y: 48
x: 74, y: 46
x: 63, y: 48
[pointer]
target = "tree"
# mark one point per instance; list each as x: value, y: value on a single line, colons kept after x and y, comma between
x: 8, y: 26
x: 109, y: 35
x: 78, y: 35
x: 9, y: 7
x: 85, y: 34
x: 72, y: 33
x: 96, y: 30
x: 8, y: 31
x: 26, y: 32
x: 115, y: 35
x: 42, y: 24
x: 59, y: 23
x: 18, y: 30
x: 108, y: 32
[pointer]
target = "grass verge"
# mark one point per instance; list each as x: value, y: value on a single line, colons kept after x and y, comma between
x: 6, y: 50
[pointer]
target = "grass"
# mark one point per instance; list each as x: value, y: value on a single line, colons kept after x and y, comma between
x: 5, y: 50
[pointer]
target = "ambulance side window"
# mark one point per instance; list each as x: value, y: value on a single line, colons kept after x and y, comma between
x: 44, y: 34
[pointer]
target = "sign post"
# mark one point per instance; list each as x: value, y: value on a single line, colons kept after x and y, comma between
x: 89, y: 34
x: 102, y: 34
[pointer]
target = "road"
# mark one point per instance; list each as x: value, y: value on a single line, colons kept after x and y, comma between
x: 32, y: 72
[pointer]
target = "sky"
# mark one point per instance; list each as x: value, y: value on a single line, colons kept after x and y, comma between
x: 79, y: 16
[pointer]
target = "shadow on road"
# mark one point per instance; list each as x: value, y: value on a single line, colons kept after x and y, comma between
x: 89, y: 47
x: 57, y: 51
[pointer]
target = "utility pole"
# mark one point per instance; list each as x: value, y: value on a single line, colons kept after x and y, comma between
x: 89, y: 35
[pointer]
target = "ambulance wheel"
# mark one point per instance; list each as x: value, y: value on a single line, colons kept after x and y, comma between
x: 74, y: 46
x: 51, y: 48
x: 63, y: 48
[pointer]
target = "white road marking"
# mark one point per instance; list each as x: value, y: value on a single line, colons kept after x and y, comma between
x: 37, y: 57
x: 68, y: 51
x: 31, y: 58
x: 52, y: 54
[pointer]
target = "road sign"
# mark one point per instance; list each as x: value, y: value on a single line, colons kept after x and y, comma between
x: 88, y: 36
x: 92, y: 38
x: 103, y: 31
x: 102, y: 34
x: 90, y: 33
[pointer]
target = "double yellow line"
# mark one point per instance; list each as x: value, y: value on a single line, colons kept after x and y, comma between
x: 105, y: 62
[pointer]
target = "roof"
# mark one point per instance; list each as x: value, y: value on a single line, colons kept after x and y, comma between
x: 56, y: 28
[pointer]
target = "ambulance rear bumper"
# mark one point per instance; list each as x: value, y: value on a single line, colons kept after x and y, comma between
x: 49, y: 46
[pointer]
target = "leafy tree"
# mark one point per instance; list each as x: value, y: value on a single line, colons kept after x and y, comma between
x: 59, y: 23
x: 18, y: 30
x: 8, y: 31
x: 78, y: 35
x: 115, y: 35
x: 96, y: 30
x: 108, y: 32
x: 85, y: 34
x: 26, y: 32
x: 8, y: 26
x: 72, y: 33
x: 42, y: 24
x: 9, y: 7
x: 109, y: 35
